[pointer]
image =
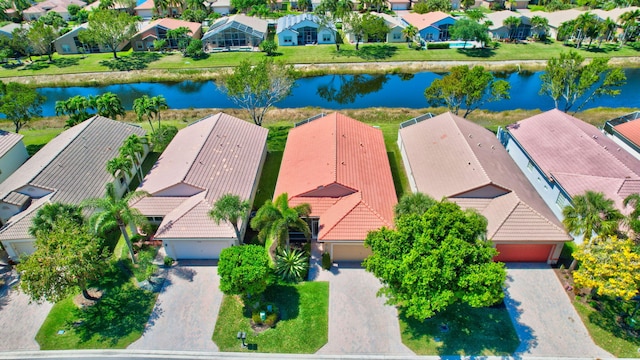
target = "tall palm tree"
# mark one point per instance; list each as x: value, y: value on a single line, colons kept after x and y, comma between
x: 274, y: 220
x: 109, y: 105
x: 410, y: 32
x: 120, y: 164
x: 150, y: 108
x: 630, y: 25
x: 112, y: 210
x: 539, y: 25
x: 162, y: 7
x: 633, y: 219
x: 231, y: 209
x: 512, y: 23
x: 583, y: 25
x: 608, y: 30
x: 50, y: 213
x: 133, y: 148
x: 474, y: 14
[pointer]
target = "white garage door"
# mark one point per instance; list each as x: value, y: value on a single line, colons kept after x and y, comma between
x: 196, y: 249
x: 23, y: 248
x: 350, y: 252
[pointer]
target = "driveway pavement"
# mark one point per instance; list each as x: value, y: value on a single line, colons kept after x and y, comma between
x: 20, y: 321
x: 359, y: 321
x: 545, y: 319
x: 186, y: 310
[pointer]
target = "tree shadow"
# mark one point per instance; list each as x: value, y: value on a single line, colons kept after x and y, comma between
x: 286, y: 298
x: 610, y: 315
x: 36, y: 65
x: 477, y: 53
x: 34, y: 148
x: 370, y: 52
x: 395, y: 172
x: 66, y: 62
x: 526, y: 334
x: 183, y: 273
x: 135, y: 61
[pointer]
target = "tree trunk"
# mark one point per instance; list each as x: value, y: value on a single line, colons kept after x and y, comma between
x: 573, y: 265
x: 123, y: 229
x: 115, y: 54
x: 286, y: 240
x: 86, y: 295
x: 235, y: 228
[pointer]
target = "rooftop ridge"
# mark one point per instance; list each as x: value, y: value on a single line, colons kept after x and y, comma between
x: 466, y: 141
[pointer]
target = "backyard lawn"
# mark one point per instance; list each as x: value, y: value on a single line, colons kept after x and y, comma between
x: 303, y: 325
x: 461, y: 330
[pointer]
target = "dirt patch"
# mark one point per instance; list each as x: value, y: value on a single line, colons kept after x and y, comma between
x: 83, y: 302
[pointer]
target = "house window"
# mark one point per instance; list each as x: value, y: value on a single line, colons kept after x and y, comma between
x: 66, y: 49
x: 397, y: 36
x: 429, y: 37
x: 561, y: 201
x: 288, y: 39
x: 139, y: 45
x: 530, y: 166
x: 326, y: 37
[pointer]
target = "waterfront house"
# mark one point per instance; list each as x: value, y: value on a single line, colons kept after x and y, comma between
x: 69, y: 43
x: 157, y: 30
x: 234, y: 32
x: 13, y: 153
x: 433, y: 26
x: 42, y: 8
x: 304, y: 29
x: 395, y: 26
x: 498, y: 30
x: 625, y: 131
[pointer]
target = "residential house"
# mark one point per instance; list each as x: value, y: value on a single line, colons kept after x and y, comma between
x: 42, y: 8
x: 8, y: 29
x: 69, y: 43
x: 498, y: 30
x: 222, y: 7
x: 217, y: 155
x: 395, y: 26
x: 557, y: 18
x: 449, y: 157
x: 339, y: 166
x: 625, y: 131
x: 13, y: 153
x: 146, y: 10
x: 304, y: 29
x: 234, y: 31
x: 395, y: 5
x: 117, y: 5
x: 158, y: 29
x: 69, y: 169
x: 433, y: 26
x: 563, y: 156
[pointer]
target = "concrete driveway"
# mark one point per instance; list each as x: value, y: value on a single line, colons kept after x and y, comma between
x: 20, y: 320
x: 546, y: 321
x: 359, y: 321
x: 186, y: 310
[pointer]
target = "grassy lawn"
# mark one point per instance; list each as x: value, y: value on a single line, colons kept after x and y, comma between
x: 117, y: 320
x: 303, y: 325
x: 471, y: 331
x: 605, y: 329
x: 276, y: 141
x: 174, y: 62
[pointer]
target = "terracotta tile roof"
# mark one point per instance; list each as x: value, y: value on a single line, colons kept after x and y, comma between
x: 340, y: 166
x: 451, y: 157
x: 54, y: 5
x: 423, y: 21
x: 630, y: 130
x: 576, y: 155
x: 147, y: 5
x: 8, y: 140
x: 217, y: 155
x: 171, y: 24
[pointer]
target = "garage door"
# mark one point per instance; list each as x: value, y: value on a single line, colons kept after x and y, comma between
x: 196, y: 249
x: 524, y: 253
x: 348, y: 252
x: 26, y: 248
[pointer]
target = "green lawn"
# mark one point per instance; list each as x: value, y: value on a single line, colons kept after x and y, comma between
x: 116, y: 321
x: 175, y: 62
x: 605, y: 330
x: 303, y: 325
x: 471, y: 331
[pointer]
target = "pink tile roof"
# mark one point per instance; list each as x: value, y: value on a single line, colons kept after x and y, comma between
x: 451, y: 157
x: 576, y: 155
x: 147, y: 5
x: 54, y: 5
x: 171, y: 24
x: 630, y: 130
x: 340, y: 166
x: 422, y: 21
x: 217, y: 155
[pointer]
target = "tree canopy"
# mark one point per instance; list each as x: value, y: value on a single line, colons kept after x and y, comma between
x: 66, y: 258
x: 436, y: 259
x: 256, y: 87
x: 20, y: 103
x: 230, y: 208
x: 244, y: 270
x: 468, y: 88
x: 571, y: 83
x: 469, y: 30
x: 110, y: 28
x: 591, y: 213
x: 41, y: 37
x: 49, y: 214
x: 413, y: 204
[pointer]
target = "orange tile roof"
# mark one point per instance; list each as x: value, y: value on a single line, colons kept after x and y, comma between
x: 339, y: 166
x: 422, y: 21
x: 630, y: 130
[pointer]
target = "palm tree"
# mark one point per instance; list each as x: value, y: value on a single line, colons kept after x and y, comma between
x: 157, y: 104
x: 50, y: 213
x: 417, y: 203
x: 474, y: 14
x: 162, y: 7
x: 274, y: 220
x: 150, y: 107
x: 120, y: 164
x: 630, y: 24
x: 112, y: 210
x: 194, y: 4
x: 634, y: 217
x: 608, y: 29
x: 512, y: 23
x: 109, y: 105
x: 583, y: 24
x: 539, y: 25
x: 304, y: 5
x: 231, y: 209
x: 410, y: 33
x: 133, y: 148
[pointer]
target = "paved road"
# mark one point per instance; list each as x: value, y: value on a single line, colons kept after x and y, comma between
x: 186, y: 311
x: 359, y: 321
x: 546, y: 321
x: 19, y: 320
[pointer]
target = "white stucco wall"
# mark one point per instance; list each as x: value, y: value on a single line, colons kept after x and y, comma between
x: 12, y: 160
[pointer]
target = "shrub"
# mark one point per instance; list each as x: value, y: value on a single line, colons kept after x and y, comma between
x: 326, y: 261
x: 271, y: 319
x: 269, y: 47
x: 168, y: 261
x: 438, y: 45
x: 292, y: 265
x: 194, y: 49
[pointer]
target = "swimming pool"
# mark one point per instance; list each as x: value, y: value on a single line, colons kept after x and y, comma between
x: 463, y: 45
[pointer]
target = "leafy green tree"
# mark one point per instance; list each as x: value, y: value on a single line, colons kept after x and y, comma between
x: 466, y: 87
x: 194, y: 50
x: 413, y: 203
x: 66, y: 258
x: 469, y: 30
x: 427, y: 6
x: 133, y: 148
x: 374, y: 27
x: 410, y: 32
x: 244, y: 6
x: 159, y: 45
x: 179, y: 37
x: 161, y: 7
x: 274, y: 220
x: 244, y: 270
x: 630, y: 25
x: 567, y: 80
x: 194, y: 15
x: 41, y: 37
x: 608, y: 30
x: 331, y: 11
x: 633, y: 220
x: 269, y: 46
x: 230, y: 208
x: 113, y: 211
x: 20, y: 103
x: 354, y: 25
x: 435, y: 260
x: 610, y: 266
x: 119, y: 164
x: 109, y: 105
x: 304, y: 5
x: 54, y: 19
x: 474, y: 14
x: 76, y: 107
x: 20, y: 42
x: 51, y: 213
x: 110, y: 28
x: 256, y: 87
x: 291, y: 265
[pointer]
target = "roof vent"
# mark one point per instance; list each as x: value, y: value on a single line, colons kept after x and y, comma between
x: 595, y: 136
x: 605, y: 148
x: 470, y: 136
x: 493, y: 147
x: 618, y: 149
x: 343, y: 163
x: 361, y: 144
x: 479, y: 145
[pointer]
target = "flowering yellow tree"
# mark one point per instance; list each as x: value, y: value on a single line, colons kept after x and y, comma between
x: 610, y: 266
